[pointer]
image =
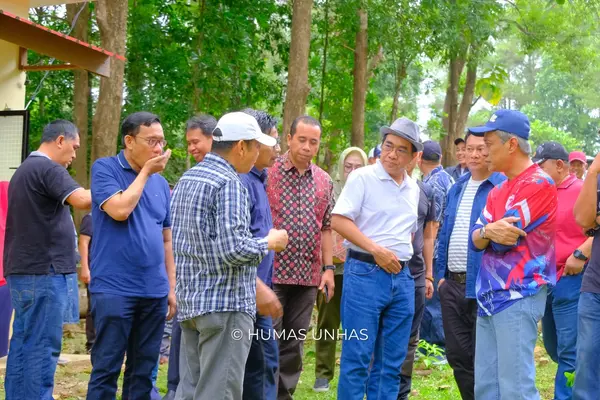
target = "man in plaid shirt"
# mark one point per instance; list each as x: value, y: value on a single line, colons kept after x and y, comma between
x: 216, y: 258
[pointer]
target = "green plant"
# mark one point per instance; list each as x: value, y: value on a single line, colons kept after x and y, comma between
x: 430, y: 353
x: 570, y: 378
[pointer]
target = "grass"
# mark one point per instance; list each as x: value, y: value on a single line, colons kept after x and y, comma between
x: 71, y: 380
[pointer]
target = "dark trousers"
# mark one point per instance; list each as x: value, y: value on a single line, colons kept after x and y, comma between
x: 173, y: 373
x: 90, y: 332
x: 260, y: 378
x: 328, y: 323
x: 297, y: 302
x: 459, y: 316
x: 413, y: 343
x: 129, y: 325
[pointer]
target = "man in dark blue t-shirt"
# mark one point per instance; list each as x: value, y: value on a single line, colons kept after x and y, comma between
x: 132, y: 267
x: 85, y: 244
x: 263, y: 359
x: 39, y: 259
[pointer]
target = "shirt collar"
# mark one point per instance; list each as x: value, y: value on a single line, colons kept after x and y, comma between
x: 436, y: 170
x: 37, y: 153
x: 384, y: 176
x: 123, y: 161
x: 215, y: 158
x: 262, y: 175
x: 288, y: 165
x: 568, y: 181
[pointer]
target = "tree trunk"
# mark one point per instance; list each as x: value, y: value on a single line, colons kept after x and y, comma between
x: 466, y: 102
x: 400, y: 76
x: 456, y: 67
x: 324, y: 66
x: 359, y: 94
x: 297, y: 84
x: 81, y: 95
x: 112, y: 24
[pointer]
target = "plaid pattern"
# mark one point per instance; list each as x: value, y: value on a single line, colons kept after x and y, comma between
x: 215, y: 253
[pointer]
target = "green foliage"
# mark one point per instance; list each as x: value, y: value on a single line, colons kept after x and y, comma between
x: 430, y: 353
x: 542, y: 131
x: 570, y: 378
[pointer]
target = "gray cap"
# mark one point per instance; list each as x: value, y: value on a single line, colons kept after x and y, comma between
x: 406, y: 129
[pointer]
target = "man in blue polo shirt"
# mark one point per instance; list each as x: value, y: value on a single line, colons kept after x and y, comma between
x: 132, y: 268
x: 263, y: 359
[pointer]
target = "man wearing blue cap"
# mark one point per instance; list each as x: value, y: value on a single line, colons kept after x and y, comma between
x: 377, y: 214
x: 516, y: 231
x: 440, y: 181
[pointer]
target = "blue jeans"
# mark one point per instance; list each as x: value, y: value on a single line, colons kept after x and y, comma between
x: 377, y: 311
x: 504, y: 363
x: 39, y: 302
x: 129, y: 325
x: 262, y: 362
x: 559, y: 327
x: 587, y: 372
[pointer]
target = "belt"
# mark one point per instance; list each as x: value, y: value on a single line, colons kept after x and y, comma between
x: 364, y: 257
x: 460, y: 277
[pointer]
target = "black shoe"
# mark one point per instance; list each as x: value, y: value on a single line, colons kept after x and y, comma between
x: 170, y: 395
x: 321, y: 385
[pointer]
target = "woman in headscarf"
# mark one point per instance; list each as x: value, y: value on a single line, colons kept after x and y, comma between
x: 329, y: 309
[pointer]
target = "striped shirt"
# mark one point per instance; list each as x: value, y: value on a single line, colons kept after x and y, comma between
x: 215, y: 253
x: 458, y: 247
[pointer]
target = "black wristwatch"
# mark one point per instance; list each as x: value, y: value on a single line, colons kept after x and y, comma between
x: 327, y: 267
x: 579, y: 255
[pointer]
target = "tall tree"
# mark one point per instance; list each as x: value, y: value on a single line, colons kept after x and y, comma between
x: 297, y: 85
x: 111, y: 16
x: 81, y: 95
x: 361, y: 53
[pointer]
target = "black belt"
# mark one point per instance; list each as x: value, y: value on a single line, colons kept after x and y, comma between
x: 364, y: 257
x: 460, y: 277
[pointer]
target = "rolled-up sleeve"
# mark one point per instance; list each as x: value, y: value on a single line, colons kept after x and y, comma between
x: 350, y: 202
x: 104, y: 184
x: 234, y: 242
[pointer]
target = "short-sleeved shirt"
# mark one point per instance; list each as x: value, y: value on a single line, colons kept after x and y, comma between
x: 86, y: 229
x: 591, y: 276
x: 440, y: 182
x: 510, y: 273
x: 426, y: 213
x: 383, y: 210
x: 39, y: 228
x: 301, y: 204
x: 128, y: 257
x: 260, y: 217
x: 569, y: 235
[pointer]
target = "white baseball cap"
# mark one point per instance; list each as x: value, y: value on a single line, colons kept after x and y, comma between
x: 236, y: 126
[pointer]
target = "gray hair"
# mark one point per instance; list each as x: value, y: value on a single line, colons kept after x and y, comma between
x: 57, y: 128
x: 524, y: 144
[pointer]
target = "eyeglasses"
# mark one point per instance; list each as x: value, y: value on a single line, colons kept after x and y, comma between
x: 388, y: 147
x: 152, y: 141
x: 351, y: 167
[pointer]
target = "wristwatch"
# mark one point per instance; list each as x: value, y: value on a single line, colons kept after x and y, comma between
x: 579, y: 255
x: 482, y: 233
x: 327, y: 267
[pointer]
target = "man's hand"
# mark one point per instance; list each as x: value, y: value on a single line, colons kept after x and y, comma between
x: 277, y: 239
x: 327, y: 279
x: 172, y: 300
x: 504, y: 232
x: 387, y: 260
x: 440, y: 283
x: 267, y: 302
x: 84, y: 275
x: 157, y: 164
x: 573, y: 266
x: 429, y: 289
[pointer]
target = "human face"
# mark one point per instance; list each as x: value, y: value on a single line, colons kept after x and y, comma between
x: 577, y: 168
x: 266, y: 154
x: 353, y: 161
x: 147, y: 144
x: 198, y: 144
x: 461, y: 153
x: 499, y: 154
x: 304, y: 145
x: 476, y: 154
x: 67, y: 149
x: 396, y: 154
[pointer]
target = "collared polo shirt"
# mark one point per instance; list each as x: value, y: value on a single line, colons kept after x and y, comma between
x: 569, y: 235
x: 128, y: 257
x: 383, y: 210
x: 260, y: 217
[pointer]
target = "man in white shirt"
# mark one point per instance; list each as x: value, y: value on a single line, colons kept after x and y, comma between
x: 457, y: 264
x: 377, y: 214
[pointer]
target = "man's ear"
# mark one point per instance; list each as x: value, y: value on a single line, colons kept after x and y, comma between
x: 60, y: 140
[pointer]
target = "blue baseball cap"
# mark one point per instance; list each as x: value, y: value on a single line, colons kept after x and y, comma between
x: 510, y: 121
x: 377, y: 151
x: 431, y: 151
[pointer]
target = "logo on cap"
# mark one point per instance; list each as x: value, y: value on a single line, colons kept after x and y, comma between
x: 493, y: 118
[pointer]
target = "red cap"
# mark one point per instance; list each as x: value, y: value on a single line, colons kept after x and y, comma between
x: 578, y: 156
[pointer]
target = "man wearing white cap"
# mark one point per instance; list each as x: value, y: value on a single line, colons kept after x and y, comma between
x: 216, y: 258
